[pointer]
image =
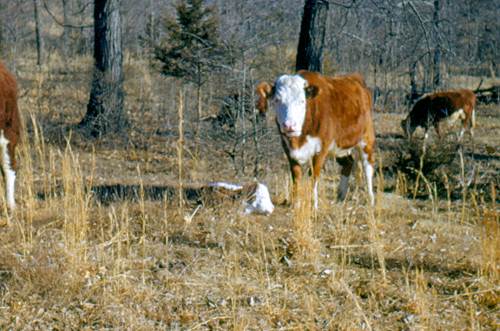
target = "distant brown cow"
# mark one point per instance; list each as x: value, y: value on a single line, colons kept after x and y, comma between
x: 10, y: 127
x: 317, y: 115
x: 432, y: 109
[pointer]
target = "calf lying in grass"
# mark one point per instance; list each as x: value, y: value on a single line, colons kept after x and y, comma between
x: 254, y: 197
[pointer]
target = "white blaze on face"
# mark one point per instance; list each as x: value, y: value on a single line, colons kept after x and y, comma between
x: 261, y: 201
x: 289, y: 102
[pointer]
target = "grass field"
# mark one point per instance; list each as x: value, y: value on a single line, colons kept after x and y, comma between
x: 426, y: 257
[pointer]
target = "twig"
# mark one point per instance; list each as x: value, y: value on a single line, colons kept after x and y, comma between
x: 208, y: 321
x: 46, y: 7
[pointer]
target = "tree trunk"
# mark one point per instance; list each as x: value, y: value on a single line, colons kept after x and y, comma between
x: 437, y: 45
x: 312, y: 35
x: 65, y: 35
x: 2, y: 41
x: 413, y: 84
x: 38, y: 37
x: 105, y: 108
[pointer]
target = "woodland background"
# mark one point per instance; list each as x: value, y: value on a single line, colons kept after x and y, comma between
x: 105, y: 238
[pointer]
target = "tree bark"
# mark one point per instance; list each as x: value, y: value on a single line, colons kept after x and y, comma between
x: 437, y: 45
x: 65, y: 35
x: 38, y: 37
x: 1, y: 41
x: 312, y: 35
x: 105, y: 108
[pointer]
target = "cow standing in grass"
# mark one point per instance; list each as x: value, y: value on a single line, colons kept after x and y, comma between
x: 318, y: 115
x: 434, y: 108
x: 10, y: 127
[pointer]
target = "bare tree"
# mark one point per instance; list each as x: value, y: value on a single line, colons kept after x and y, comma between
x: 312, y: 35
x: 437, y: 44
x: 65, y: 35
x: 105, y: 108
x: 38, y: 37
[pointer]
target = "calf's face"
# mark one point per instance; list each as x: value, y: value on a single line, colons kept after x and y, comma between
x: 289, y: 102
x: 259, y: 200
x: 288, y: 96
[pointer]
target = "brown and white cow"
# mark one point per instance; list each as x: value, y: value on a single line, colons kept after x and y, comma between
x: 10, y: 127
x: 318, y: 115
x: 434, y: 108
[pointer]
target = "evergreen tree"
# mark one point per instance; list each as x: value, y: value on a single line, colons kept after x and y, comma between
x: 191, y: 48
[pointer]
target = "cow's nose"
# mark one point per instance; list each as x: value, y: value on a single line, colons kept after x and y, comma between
x: 288, y: 126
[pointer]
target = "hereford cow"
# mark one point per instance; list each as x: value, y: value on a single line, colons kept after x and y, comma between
x: 9, y: 131
x: 317, y: 115
x: 434, y: 108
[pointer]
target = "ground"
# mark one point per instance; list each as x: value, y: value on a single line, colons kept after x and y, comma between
x: 75, y: 256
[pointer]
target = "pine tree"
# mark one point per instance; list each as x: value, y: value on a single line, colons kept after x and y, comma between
x: 192, y: 42
x: 191, y: 49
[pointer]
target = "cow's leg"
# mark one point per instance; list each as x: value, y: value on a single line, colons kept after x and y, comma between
x: 347, y: 164
x: 426, y: 137
x: 472, y: 123
x: 436, y: 127
x: 468, y: 123
x: 296, y: 171
x: 8, y: 166
x: 368, y: 162
x: 318, y: 161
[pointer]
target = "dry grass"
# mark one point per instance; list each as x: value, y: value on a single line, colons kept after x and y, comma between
x: 69, y: 260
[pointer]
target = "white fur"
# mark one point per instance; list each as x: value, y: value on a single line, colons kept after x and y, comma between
x: 9, y: 173
x: 227, y: 186
x: 261, y: 201
x: 340, y: 152
x: 290, y: 103
x: 369, y: 176
x: 461, y: 134
x: 305, y: 152
x: 459, y: 114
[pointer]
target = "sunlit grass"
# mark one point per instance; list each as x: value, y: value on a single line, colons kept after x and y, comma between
x: 71, y: 261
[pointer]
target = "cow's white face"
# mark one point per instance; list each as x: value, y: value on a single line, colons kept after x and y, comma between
x: 289, y: 101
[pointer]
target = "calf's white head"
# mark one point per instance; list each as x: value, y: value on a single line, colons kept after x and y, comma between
x: 288, y: 97
x: 260, y: 201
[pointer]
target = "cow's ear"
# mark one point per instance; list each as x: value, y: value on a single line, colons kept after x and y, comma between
x: 264, y: 91
x: 311, y: 91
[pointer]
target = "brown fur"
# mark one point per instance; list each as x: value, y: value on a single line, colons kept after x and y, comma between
x: 10, y: 122
x: 338, y: 109
x: 433, y: 108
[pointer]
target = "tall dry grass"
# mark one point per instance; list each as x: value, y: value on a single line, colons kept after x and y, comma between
x: 69, y: 260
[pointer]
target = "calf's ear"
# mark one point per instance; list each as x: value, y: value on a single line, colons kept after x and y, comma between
x: 311, y: 91
x: 264, y: 91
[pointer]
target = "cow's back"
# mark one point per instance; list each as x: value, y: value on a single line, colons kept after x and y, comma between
x: 435, y: 107
x: 342, y: 103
